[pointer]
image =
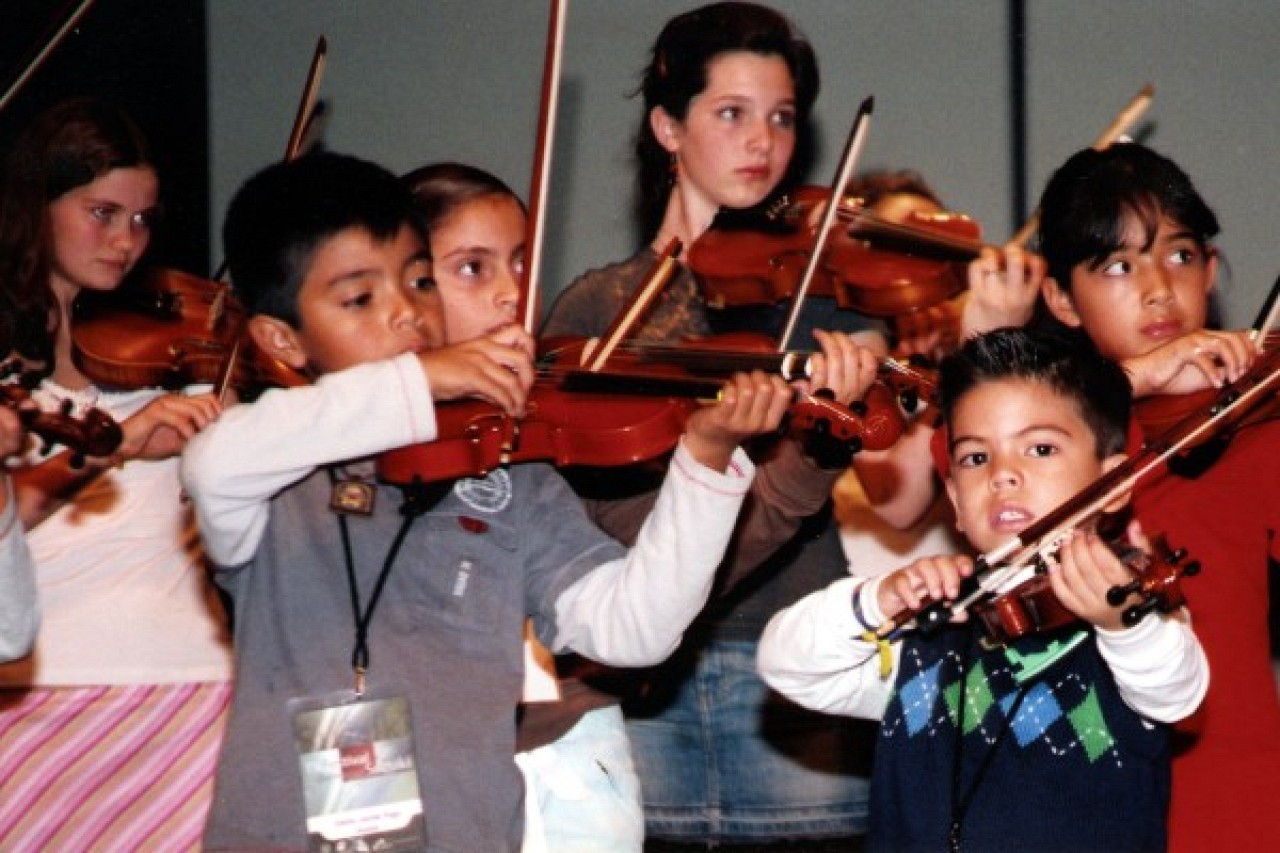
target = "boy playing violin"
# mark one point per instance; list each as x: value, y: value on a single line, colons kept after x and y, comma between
x: 419, y: 597
x: 1030, y: 745
x: 1128, y: 240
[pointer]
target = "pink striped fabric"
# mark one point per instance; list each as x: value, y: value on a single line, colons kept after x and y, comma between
x: 108, y: 768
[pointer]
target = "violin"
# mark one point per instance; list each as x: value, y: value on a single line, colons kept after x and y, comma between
x: 176, y: 330
x: 1157, y: 412
x: 875, y: 266
x: 93, y: 434
x: 557, y: 427
x: 1032, y: 607
x: 871, y: 265
x: 631, y: 412
x: 701, y: 365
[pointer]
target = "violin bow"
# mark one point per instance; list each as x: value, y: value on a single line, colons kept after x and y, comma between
x: 1126, y: 119
x: 528, y: 309
x: 1268, y: 315
x: 1046, y: 535
x: 659, y: 276
x: 852, y: 153
x: 307, y: 106
x: 43, y: 52
x: 301, y: 121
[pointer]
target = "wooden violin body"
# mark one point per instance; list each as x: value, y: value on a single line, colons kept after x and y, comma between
x: 634, y: 411
x: 698, y: 365
x: 559, y: 427
x: 177, y: 330
x: 871, y: 265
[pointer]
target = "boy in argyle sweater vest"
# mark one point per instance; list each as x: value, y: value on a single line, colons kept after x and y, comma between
x: 1054, y: 741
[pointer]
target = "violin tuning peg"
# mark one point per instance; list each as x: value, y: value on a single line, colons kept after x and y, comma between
x: 932, y: 618
x: 1192, y: 569
x: 1138, y: 612
x: 30, y: 379
x: 1117, y: 594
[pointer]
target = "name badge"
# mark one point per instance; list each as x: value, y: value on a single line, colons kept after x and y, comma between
x: 359, y: 775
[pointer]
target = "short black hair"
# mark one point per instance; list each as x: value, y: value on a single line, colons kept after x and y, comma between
x: 283, y: 214
x: 1068, y: 364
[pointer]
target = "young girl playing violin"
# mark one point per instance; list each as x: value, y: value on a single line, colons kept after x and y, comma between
x: 582, y: 785
x: 581, y: 790
x: 727, y: 93
x: 1132, y: 265
x: 1045, y: 742
x: 111, y: 727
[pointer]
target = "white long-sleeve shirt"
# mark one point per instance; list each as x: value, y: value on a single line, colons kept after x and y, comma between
x: 448, y: 632
x: 812, y: 653
x: 627, y: 612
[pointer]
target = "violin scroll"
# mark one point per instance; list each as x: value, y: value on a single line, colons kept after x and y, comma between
x: 873, y: 423
x: 1157, y: 584
x: 93, y: 434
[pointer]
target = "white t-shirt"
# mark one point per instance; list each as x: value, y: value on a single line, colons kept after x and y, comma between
x: 125, y: 594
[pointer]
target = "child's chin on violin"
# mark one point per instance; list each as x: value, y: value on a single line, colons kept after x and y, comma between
x: 1031, y: 421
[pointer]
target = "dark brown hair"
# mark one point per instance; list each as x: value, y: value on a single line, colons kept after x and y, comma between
x: 67, y: 146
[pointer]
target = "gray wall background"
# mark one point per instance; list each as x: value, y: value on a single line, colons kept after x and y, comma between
x: 409, y: 82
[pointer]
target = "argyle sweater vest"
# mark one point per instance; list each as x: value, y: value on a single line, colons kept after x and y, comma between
x: 1048, y: 756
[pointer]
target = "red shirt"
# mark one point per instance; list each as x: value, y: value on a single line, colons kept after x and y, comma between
x: 1227, y: 757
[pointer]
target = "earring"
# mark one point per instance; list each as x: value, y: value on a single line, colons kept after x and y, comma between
x: 673, y: 170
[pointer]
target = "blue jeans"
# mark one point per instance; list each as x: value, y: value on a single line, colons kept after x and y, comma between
x: 584, y: 789
x: 723, y: 758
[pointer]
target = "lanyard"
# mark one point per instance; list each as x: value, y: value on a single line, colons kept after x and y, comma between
x: 363, y: 617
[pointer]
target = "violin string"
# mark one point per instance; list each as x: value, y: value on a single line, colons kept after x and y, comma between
x: 907, y: 232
